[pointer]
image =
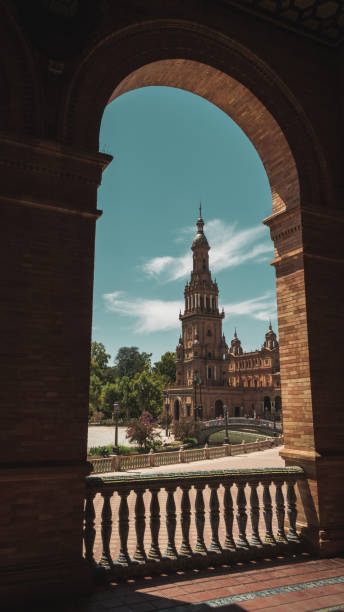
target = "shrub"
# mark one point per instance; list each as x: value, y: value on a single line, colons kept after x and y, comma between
x: 141, y: 430
x: 192, y: 441
x: 100, y: 451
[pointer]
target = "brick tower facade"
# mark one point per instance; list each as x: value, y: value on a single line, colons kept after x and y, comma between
x: 209, y: 374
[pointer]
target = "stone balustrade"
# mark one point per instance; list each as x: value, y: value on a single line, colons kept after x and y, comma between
x: 117, y: 463
x: 262, y: 423
x: 190, y: 519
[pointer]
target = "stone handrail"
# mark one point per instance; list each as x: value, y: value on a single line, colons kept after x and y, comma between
x: 269, y: 494
x: 277, y: 425
x: 118, y: 463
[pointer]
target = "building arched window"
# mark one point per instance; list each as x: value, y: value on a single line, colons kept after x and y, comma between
x: 209, y: 332
x: 209, y: 355
x: 204, y: 266
x: 209, y: 372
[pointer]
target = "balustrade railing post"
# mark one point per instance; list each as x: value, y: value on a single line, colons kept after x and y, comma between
x: 123, y: 528
x: 241, y: 514
x: 254, y: 512
x: 89, y: 529
x: 154, y: 522
x: 185, y: 549
x: 229, y: 517
x: 228, y: 448
x: 292, y: 513
x: 171, y: 523
x: 267, y: 512
x: 151, y: 458
x: 140, y: 525
x: 280, y: 512
x: 200, y: 547
x: 106, y: 529
x: 214, y: 518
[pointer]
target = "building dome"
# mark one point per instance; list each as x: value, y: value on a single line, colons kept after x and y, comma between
x: 200, y: 239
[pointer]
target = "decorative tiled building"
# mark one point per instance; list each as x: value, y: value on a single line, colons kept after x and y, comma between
x: 209, y: 374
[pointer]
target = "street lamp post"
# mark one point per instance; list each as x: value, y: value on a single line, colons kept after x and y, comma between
x: 116, y: 411
x: 225, y: 410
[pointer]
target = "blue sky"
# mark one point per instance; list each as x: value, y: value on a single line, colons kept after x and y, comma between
x: 172, y: 149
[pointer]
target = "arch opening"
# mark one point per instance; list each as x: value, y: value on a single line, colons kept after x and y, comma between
x: 239, y: 103
x: 218, y: 408
x: 176, y: 410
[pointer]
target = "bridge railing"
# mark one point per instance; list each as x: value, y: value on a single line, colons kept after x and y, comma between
x: 143, y: 524
x: 264, y: 423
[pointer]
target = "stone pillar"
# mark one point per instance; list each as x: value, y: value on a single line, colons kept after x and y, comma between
x: 309, y: 262
x: 48, y: 214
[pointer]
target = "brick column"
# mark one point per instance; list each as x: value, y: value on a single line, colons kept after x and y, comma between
x: 48, y: 214
x: 309, y: 262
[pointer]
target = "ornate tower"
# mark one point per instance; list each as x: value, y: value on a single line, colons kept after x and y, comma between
x: 202, y: 347
x: 270, y: 339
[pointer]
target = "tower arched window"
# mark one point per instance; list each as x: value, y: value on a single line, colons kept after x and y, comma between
x: 209, y: 372
x: 209, y: 332
x: 204, y: 266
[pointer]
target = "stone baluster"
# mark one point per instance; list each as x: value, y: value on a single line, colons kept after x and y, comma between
x: 214, y: 518
x: 200, y: 547
x: 123, y: 528
x: 89, y: 530
x: 171, y: 523
x: 292, y: 513
x: 280, y: 513
x: 267, y: 512
x: 185, y: 549
x: 106, y: 529
x: 229, y: 517
x: 254, y: 512
x: 241, y: 515
x: 140, y: 525
x: 154, y: 552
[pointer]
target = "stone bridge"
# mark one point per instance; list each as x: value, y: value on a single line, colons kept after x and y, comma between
x: 260, y: 426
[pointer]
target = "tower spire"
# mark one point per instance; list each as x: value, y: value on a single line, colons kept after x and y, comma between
x: 200, y: 209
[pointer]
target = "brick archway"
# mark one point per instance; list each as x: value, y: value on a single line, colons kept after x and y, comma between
x: 233, y: 78
x: 218, y: 69
x: 51, y: 114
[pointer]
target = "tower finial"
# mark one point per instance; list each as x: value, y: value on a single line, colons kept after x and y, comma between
x: 270, y: 326
x: 200, y: 209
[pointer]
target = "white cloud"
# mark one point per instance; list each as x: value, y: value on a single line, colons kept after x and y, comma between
x: 229, y: 247
x: 162, y: 315
x: 151, y: 315
x: 262, y: 307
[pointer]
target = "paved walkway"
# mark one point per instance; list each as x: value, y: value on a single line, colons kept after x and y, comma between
x: 302, y: 584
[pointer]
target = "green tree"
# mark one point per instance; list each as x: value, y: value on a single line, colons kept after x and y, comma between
x: 99, y: 354
x: 166, y: 367
x: 110, y: 393
x: 128, y: 397
x: 95, y: 389
x: 129, y: 361
x: 148, y: 391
